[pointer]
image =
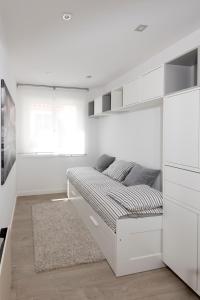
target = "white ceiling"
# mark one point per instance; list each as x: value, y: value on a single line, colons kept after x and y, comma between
x: 99, y: 40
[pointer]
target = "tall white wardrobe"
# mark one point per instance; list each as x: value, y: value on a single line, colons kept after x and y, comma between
x: 181, y: 170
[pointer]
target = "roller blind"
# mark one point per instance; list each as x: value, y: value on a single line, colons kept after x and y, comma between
x: 51, y: 120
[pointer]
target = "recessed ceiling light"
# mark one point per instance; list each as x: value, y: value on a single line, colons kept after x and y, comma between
x: 88, y: 76
x: 67, y: 16
x: 141, y: 28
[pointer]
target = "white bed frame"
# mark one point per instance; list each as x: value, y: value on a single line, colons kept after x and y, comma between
x: 135, y: 247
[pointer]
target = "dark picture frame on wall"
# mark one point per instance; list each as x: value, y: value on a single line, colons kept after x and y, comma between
x: 8, y: 132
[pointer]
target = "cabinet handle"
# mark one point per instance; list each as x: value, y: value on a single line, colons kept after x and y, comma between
x: 94, y: 221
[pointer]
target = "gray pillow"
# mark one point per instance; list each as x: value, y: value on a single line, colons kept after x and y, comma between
x: 137, y: 198
x: 103, y: 162
x: 119, y: 169
x: 141, y: 175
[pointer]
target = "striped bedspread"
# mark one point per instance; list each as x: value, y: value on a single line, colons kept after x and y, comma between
x: 94, y: 187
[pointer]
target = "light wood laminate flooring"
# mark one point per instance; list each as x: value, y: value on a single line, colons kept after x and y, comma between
x: 93, y: 281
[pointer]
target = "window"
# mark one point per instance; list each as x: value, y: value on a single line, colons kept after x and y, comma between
x: 51, y: 120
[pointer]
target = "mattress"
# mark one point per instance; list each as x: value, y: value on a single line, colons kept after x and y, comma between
x: 94, y: 187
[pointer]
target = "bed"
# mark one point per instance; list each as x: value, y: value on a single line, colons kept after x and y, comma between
x: 131, y: 242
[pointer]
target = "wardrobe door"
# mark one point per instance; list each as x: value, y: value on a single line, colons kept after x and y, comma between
x: 180, y: 241
x: 131, y: 93
x: 153, y: 84
x: 198, y: 283
x: 181, y: 129
x: 98, y: 106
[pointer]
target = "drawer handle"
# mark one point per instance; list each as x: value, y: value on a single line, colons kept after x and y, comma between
x: 94, y: 221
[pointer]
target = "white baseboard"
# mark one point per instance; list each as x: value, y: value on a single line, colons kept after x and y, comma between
x: 41, y: 192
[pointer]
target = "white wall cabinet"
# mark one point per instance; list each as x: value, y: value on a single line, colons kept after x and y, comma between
x: 132, y: 92
x: 148, y: 87
x: 180, y: 241
x: 98, y: 106
x: 198, y: 279
x: 182, y: 72
x: 116, y: 99
x: 153, y: 84
x: 181, y: 246
x: 181, y: 129
x: 181, y: 224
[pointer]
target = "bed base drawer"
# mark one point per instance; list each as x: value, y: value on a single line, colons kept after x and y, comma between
x: 139, y: 246
x: 103, y: 235
x: 136, y: 245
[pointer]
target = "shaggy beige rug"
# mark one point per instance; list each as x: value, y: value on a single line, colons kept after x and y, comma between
x: 60, y: 237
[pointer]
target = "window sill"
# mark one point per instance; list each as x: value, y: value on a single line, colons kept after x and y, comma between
x: 48, y: 155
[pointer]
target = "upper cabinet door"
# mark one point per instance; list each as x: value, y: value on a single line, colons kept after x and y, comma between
x: 131, y: 93
x: 181, y: 129
x: 153, y: 84
x: 98, y: 106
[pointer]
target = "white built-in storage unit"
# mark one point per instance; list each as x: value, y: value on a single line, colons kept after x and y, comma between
x: 182, y: 72
x: 132, y: 92
x: 153, y: 84
x: 102, y: 105
x: 178, y: 84
x: 148, y: 87
x: 117, y: 99
x: 181, y: 218
x: 181, y: 131
x: 180, y: 223
x: 98, y: 105
x: 91, y: 108
x: 106, y: 102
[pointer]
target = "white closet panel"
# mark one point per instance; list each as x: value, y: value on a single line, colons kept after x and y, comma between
x: 131, y: 93
x: 181, y: 129
x: 180, y: 241
x: 190, y: 180
x: 98, y: 105
x: 198, y: 282
x: 153, y: 84
x: 185, y: 195
x: 116, y: 99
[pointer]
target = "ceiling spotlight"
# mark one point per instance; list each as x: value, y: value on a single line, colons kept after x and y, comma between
x: 67, y: 16
x: 141, y: 28
x: 88, y: 76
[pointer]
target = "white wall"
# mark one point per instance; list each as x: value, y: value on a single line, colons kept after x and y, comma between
x: 8, y: 190
x: 134, y: 136
x: 41, y: 175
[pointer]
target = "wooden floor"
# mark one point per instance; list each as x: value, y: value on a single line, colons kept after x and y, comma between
x: 86, y: 282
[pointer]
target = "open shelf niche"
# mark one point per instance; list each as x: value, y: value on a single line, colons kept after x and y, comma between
x: 91, y: 108
x: 182, y: 72
x: 106, y: 102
